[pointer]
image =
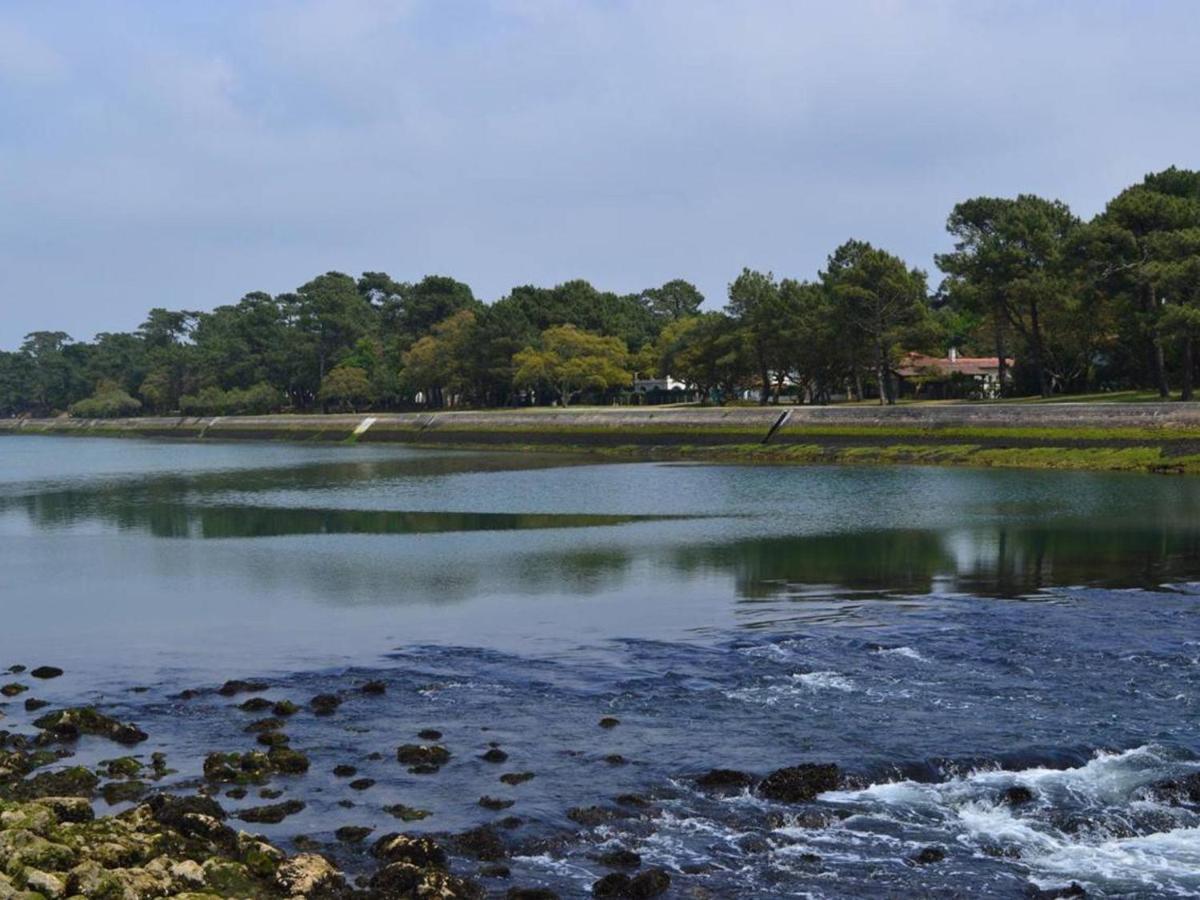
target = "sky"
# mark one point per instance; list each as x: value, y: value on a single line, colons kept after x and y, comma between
x: 183, y: 154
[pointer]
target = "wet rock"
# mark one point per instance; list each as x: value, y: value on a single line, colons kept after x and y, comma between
x: 928, y: 856
x: 362, y: 784
x: 238, y: 686
x: 169, y: 809
x: 16, y: 670
x: 422, y: 759
x: 725, y: 780
x: 615, y: 759
x: 1017, y: 795
x: 609, y: 722
x: 516, y: 777
x: 614, y: 884
x: 494, y: 755
x: 800, y: 784
x: 345, y: 771
x: 620, y: 858
x: 530, y: 894
x: 429, y: 734
x: 33, y: 704
x: 482, y: 843
x: 421, y: 852
x: 122, y: 767
x: 270, y: 793
x: 374, y: 688
x: 591, y: 816
x: 47, y: 672
x: 1176, y: 791
x: 255, y: 704
x: 496, y: 871
x: 406, y: 813
x: 123, y: 792
x: 68, y: 809
x: 11, y: 690
x: 1073, y: 890
x: 272, y: 813
x: 287, y: 761
x: 650, y: 883
x: 353, y: 834
x: 284, y: 708
x: 69, y: 724
x: 635, y: 800
x: 262, y: 725
x: 403, y: 879
x: 75, y: 781
x: 325, y: 704
x: 236, y: 793
x: 495, y: 803
x: 310, y: 875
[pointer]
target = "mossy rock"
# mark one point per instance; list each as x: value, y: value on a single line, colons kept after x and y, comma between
x: 68, y: 724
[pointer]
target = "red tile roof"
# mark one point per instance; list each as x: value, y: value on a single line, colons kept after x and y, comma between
x: 919, y: 364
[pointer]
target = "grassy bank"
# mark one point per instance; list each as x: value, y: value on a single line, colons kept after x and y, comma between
x: 1143, y: 437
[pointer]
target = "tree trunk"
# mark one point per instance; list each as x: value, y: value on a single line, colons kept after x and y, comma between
x: 1038, y: 348
x: 1188, y: 365
x: 1001, y: 355
x: 1158, y: 364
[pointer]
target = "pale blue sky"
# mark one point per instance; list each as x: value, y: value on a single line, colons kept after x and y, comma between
x: 181, y: 154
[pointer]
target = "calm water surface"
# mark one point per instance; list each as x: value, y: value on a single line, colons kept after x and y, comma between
x: 941, y: 634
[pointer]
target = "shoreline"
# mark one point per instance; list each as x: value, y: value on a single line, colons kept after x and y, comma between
x: 1135, y: 437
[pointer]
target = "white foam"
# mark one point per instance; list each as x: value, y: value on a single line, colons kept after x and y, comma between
x: 906, y: 652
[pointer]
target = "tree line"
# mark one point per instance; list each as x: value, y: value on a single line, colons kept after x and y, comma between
x: 1078, y: 306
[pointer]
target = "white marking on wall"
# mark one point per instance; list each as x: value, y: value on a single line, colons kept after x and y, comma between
x: 213, y: 421
x: 364, y: 425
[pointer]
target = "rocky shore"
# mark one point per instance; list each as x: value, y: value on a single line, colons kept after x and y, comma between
x: 174, y: 837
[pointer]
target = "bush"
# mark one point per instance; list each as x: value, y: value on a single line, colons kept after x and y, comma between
x: 212, y: 401
x: 106, y: 403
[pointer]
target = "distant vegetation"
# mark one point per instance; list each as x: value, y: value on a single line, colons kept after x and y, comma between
x: 1110, y: 304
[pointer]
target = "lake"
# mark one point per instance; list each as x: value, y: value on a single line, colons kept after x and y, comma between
x: 942, y: 635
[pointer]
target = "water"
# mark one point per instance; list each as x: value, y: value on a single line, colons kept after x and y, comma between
x: 942, y: 635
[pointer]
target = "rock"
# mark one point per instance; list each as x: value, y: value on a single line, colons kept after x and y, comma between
x: 422, y: 759
x: 353, y: 834
x: 309, y: 875
x: 591, y: 816
x: 236, y: 793
x: 16, y: 670
x: 481, y: 843
x: 614, y: 884
x: 421, y: 852
x: 169, y: 809
x: 187, y: 874
x: 725, y: 779
x: 72, y: 782
x: 374, y: 688
x: 615, y: 759
x: 255, y: 704
x: 494, y: 755
x: 270, y: 793
x: 1176, y: 791
x: 927, y: 856
x: 237, y: 686
x: 362, y: 784
x: 46, y: 672
x: 273, y: 739
x: 123, y: 792
x: 496, y: 871
x: 259, y: 726
x: 620, y: 858
x: 325, y: 704
x: 495, y: 803
x: 69, y: 724
x: 609, y: 722
x: 406, y: 813
x: 429, y: 734
x: 1017, y: 795
x: 33, y: 704
x: 530, y: 894
x: 650, y: 883
x: 285, y: 708
x: 344, y: 771
x: 122, y: 767
x: 69, y: 809
x: 271, y: 813
x: 287, y: 761
x: 800, y: 784
x: 401, y: 879
x: 516, y: 777
x: 49, y: 886
x: 11, y: 690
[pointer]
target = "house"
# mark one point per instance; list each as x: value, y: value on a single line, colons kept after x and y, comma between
x: 951, y: 376
x: 661, y: 390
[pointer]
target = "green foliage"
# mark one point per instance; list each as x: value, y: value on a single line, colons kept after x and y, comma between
x: 570, y: 360
x: 257, y: 399
x: 346, y: 387
x: 109, y: 402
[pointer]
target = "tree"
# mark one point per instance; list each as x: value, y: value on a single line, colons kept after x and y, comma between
x: 881, y: 300
x: 331, y: 313
x: 346, y: 387
x: 677, y: 299
x: 754, y: 302
x: 439, y: 364
x: 570, y: 360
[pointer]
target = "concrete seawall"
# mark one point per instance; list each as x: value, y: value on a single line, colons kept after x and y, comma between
x: 737, y: 425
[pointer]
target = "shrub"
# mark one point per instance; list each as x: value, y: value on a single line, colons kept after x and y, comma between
x: 107, y: 403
